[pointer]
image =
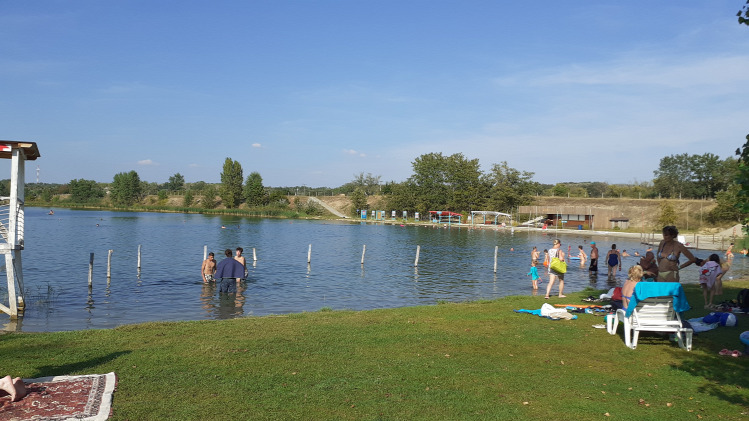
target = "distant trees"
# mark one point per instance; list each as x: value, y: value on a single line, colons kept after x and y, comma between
x: 254, y: 192
x: 83, y: 191
x: 126, y: 188
x: 175, y: 183
x: 358, y: 201
x: 687, y: 176
x: 231, y: 183
x: 457, y: 184
x: 509, y: 188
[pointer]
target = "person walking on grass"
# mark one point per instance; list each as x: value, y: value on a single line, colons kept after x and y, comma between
x: 557, y: 252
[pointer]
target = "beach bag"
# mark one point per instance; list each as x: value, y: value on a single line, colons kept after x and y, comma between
x: 558, y: 265
x: 743, y: 298
x: 617, y: 295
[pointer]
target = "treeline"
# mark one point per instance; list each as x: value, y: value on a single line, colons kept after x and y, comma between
x: 438, y: 182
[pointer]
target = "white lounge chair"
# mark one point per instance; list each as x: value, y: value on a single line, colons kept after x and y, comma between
x: 652, y: 314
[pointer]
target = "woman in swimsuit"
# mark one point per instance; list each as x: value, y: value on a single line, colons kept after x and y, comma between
x: 613, y: 259
x: 669, y: 251
x: 557, y: 252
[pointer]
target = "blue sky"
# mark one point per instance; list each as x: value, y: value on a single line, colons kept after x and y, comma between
x: 314, y: 92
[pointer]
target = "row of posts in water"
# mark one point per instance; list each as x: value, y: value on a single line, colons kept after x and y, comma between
x: 254, y: 259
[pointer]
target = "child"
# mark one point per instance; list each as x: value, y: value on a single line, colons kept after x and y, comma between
x: 534, y: 275
x: 546, y: 258
x: 635, y: 276
x: 709, y: 271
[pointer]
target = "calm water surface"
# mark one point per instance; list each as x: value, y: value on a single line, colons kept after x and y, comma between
x: 455, y: 264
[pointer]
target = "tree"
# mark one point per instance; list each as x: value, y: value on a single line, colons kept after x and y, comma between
x: 446, y: 183
x: 509, y: 188
x: 175, y: 183
x: 254, y: 192
x: 726, y: 209
x: 126, y: 188
x: 742, y: 179
x: 692, y: 176
x: 209, y: 197
x: 744, y: 14
x: 187, y: 199
x: 231, y: 183
x: 667, y: 214
x: 82, y: 191
x: 358, y: 201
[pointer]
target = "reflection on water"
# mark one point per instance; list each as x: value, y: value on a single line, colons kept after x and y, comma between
x: 455, y: 264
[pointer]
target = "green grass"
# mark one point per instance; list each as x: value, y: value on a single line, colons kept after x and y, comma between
x: 476, y: 360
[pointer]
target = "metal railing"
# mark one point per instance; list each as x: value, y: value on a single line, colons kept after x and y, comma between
x: 5, y: 214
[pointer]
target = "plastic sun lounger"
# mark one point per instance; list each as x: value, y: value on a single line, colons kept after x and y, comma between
x: 655, y: 314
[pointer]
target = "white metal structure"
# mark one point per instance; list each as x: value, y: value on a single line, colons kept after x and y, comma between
x: 507, y: 218
x: 12, y: 221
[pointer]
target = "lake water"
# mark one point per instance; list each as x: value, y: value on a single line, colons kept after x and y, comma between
x: 455, y: 264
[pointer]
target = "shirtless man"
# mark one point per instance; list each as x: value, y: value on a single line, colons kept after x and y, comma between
x: 729, y: 252
x: 208, y: 268
x: 583, y: 257
x: 593, y: 257
x: 239, y: 258
x: 14, y: 387
x: 535, y: 254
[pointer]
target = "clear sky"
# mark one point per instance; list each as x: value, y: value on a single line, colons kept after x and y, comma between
x: 314, y: 92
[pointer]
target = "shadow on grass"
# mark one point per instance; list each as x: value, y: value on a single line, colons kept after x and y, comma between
x: 77, y: 367
x: 726, y: 376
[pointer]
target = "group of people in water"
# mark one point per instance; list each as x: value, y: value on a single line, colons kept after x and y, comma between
x: 662, y: 265
x: 228, y: 272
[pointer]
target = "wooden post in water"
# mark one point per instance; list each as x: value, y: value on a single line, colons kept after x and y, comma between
x: 109, y: 264
x: 496, y: 250
x: 91, y: 270
x: 309, y: 254
x: 139, y: 256
x: 418, y: 249
x: 363, y: 251
x: 254, y: 255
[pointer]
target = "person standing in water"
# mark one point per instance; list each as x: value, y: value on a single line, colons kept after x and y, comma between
x: 208, y: 268
x: 557, y: 252
x: 613, y: 259
x: 583, y: 257
x: 593, y: 258
x: 239, y: 258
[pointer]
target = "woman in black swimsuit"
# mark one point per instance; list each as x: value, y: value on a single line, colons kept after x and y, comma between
x: 613, y: 259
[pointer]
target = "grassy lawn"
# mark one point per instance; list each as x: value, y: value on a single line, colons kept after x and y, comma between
x: 477, y: 360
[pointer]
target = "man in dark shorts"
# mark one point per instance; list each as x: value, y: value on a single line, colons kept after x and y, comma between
x: 593, y: 258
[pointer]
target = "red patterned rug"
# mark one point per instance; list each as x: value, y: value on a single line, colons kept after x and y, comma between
x: 86, y: 397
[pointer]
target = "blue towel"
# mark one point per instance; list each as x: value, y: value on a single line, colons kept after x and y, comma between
x: 645, y: 290
x: 536, y: 312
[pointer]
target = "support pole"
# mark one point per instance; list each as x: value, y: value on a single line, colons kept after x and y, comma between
x: 363, y: 251
x: 139, y: 256
x: 91, y: 270
x: 309, y: 254
x: 205, y: 252
x: 496, y: 250
x: 254, y: 255
x: 109, y: 264
x: 418, y: 250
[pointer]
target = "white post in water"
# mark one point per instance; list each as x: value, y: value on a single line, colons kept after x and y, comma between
x: 138, y: 256
x: 91, y: 270
x: 309, y: 254
x: 418, y: 249
x: 109, y: 264
x: 363, y: 252
x: 254, y: 255
x: 496, y: 250
x: 205, y: 252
